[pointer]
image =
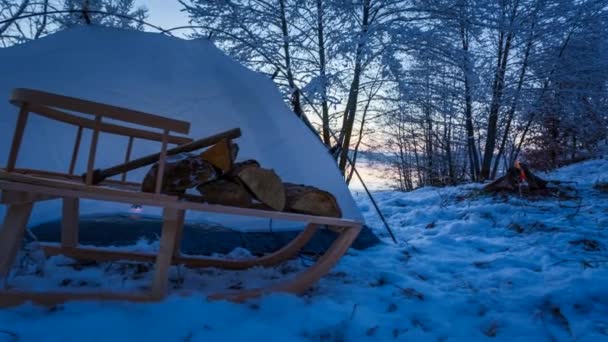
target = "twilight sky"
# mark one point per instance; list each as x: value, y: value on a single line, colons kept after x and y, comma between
x: 164, y: 13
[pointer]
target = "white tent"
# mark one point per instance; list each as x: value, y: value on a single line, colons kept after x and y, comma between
x: 184, y: 79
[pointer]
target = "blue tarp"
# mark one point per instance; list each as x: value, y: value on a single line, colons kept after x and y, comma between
x: 198, y: 238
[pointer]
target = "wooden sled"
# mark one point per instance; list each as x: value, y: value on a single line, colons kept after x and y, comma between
x: 21, y: 188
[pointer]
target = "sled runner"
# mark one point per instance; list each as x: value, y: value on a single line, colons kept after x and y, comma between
x: 21, y: 188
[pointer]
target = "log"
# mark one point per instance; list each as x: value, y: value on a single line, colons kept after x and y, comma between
x: 224, y: 192
x: 221, y: 155
x: 264, y: 184
x: 100, y: 175
x: 182, y: 172
x: 240, y: 166
x: 306, y: 199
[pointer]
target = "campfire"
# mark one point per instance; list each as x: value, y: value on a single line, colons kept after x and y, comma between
x: 518, y: 178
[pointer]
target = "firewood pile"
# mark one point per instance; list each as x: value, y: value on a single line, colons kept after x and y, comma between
x: 518, y: 178
x: 521, y: 181
x: 214, y: 176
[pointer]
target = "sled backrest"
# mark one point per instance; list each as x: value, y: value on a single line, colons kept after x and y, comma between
x: 63, y: 108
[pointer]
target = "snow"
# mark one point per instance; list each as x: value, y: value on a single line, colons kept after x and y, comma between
x: 469, y: 267
x: 190, y: 80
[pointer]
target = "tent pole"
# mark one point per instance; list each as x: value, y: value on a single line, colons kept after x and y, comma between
x: 369, y: 194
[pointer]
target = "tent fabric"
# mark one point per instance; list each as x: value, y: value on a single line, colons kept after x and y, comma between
x: 190, y: 80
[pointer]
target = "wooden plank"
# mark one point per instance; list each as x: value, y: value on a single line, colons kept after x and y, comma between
x: 100, y: 175
x: 11, y: 235
x: 20, y: 182
x: 70, y: 189
x: 180, y: 234
x: 160, y: 282
x: 304, y: 280
x: 296, y: 285
x: 95, y: 253
x: 133, y: 186
x: 161, y: 164
x: 93, y: 151
x: 287, y: 252
x: 22, y: 95
x: 75, y: 150
x: 19, y: 197
x: 278, y: 215
x: 17, y: 137
x: 69, y: 222
x: 10, y: 298
x: 80, y: 121
x: 220, y: 155
x: 123, y: 178
x: 112, y: 254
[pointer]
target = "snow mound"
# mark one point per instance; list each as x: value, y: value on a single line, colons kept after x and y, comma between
x: 184, y: 79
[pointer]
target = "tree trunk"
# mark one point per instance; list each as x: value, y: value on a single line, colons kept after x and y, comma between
x: 295, y: 96
x: 42, y: 27
x: 499, y: 82
x: 360, y: 137
x: 544, y: 89
x: 430, y: 172
x: 515, y: 101
x: 353, y: 96
x: 468, y: 113
x: 323, y: 74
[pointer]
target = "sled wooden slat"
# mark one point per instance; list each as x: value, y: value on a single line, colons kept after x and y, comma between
x: 93, y: 151
x: 160, y: 282
x: 37, y: 97
x: 64, y: 188
x: 108, y: 254
x: 161, y: 164
x: 23, y: 197
x: 304, y: 280
x: 69, y: 222
x: 134, y: 186
x: 17, y: 137
x: 123, y: 178
x: 15, y: 297
x: 75, y: 150
x: 56, y: 114
x: 21, y: 188
x: 11, y: 235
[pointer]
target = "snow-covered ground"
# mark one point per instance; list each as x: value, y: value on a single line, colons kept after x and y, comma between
x: 468, y: 267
